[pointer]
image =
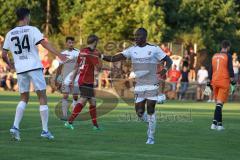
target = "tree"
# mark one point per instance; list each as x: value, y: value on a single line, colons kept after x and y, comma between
x: 8, y: 17
x: 209, y: 22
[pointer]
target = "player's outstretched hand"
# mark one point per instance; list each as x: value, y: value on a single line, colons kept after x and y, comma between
x: 63, y: 57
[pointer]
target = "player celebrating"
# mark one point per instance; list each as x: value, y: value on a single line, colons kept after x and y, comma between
x: 87, y: 61
x: 22, y: 41
x: 145, y: 58
x: 221, y: 75
x: 66, y: 70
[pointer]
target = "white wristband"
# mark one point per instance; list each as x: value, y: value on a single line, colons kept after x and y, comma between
x: 102, y: 56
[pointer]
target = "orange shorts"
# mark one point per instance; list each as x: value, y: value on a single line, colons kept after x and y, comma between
x: 220, y: 94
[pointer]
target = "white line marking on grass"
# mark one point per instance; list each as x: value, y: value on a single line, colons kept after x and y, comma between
x: 109, y: 152
x: 62, y: 126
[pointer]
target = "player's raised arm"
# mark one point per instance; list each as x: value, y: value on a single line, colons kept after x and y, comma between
x: 51, y: 49
x: 115, y: 58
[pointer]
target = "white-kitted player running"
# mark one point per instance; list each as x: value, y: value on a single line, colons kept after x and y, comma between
x: 22, y: 42
x: 145, y: 58
x: 64, y: 76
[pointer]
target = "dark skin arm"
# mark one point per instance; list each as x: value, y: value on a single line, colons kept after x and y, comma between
x: 115, y: 58
x: 120, y: 57
x: 168, y: 64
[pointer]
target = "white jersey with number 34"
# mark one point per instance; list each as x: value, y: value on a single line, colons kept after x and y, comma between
x: 22, y: 42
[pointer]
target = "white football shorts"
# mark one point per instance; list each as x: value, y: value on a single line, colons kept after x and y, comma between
x: 66, y: 83
x: 143, y: 92
x: 36, y: 77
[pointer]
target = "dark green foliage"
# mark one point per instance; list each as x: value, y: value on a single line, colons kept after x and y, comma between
x: 203, y: 22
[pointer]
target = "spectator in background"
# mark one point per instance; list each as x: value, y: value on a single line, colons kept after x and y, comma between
x: 3, y: 76
x: 105, y: 78
x: 185, y: 59
x: 166, y: 49
x: 184, y: 83
x: 202, y: 77
x: 173, y: 77
x: 192, y: 64
x: 1, y: 43
x: 126, y: 72
x: 177, y: 61
x: 161, y: 78
x: 236, y: 66
x: 10, y: 80
x: 116, y: 71
x: 46, y: 65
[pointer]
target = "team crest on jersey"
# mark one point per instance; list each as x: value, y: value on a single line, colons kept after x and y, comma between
x: 149, y: 53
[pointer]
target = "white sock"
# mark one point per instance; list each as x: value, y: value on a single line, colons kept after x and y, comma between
x: 44, y: 116
x: 64, y: 107
x: 74, y: 103
x: 144, y: 117
x: 151, y: 125
x: 19, y: 113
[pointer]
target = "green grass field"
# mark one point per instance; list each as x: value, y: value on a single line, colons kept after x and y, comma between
x: 182, y: 133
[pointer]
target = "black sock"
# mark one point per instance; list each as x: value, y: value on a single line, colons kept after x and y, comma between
x: 218, y: 114
x: 215, y: 122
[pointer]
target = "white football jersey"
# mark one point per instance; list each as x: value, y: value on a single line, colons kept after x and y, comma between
x: 144, y: 62
x: 69, y: 65
x: 22, y: 41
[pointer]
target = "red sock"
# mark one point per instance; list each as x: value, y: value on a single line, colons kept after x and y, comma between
x: 78, y: 108
x: 93, y: 113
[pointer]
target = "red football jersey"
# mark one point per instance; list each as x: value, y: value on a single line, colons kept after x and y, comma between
x: 88, y: 60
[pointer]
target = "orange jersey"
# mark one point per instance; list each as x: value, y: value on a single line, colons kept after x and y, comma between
x: 220, y: 70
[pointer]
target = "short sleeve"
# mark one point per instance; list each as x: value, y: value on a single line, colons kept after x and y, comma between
x: 6, y: 44
x: 38, y: 36
x: 160, y: 54
x: 127, y: 53
x: 76, y: 53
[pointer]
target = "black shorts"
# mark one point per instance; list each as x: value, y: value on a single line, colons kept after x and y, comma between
x: 87, y: 90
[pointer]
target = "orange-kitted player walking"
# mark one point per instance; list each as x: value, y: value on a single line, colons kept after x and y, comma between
x: 221, y: 76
